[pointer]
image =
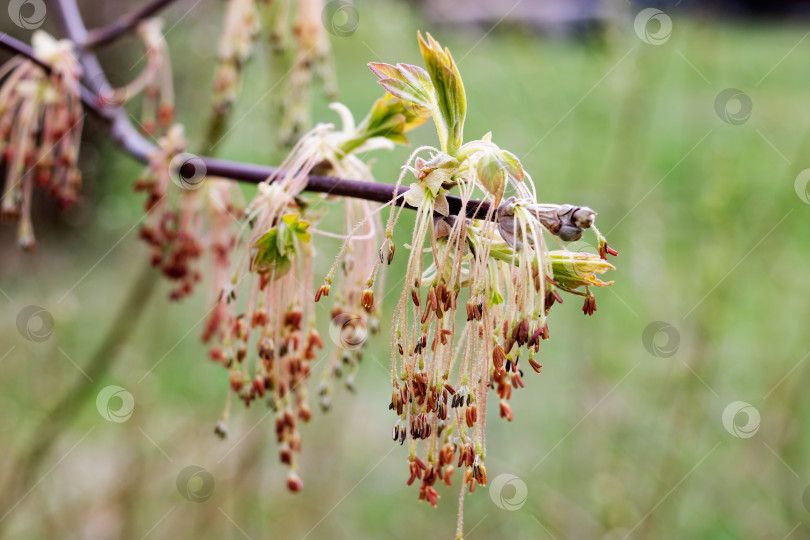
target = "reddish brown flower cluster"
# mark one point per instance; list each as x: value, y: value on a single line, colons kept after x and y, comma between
x: 40, y: 130
x: 225, y: 206
x: 506, y: 320
x: 187, y: 218
x: 278, y: 317
x: 354, y: 313
x: 174, y: 250
x: 284, y: 368
x: 173, y: 222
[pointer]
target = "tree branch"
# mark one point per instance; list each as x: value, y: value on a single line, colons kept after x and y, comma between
x: 107, y: 34
x: 124, y: 134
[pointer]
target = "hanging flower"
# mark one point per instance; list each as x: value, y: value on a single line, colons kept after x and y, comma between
x: 41, y: 123
x: 268, y: 303
x: 498, y: 266
x: 176, y: 212
x: 240, y: 29
x: 311, y: 62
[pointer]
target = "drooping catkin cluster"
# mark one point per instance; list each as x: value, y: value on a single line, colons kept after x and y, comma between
x: 225, y: 210
x: 240, y: 28
x: 269, y: 307
x: 154, y: 82
x: 182, y: 212
x: 41, y: 122
x: 312, y: 62
x: 499, y: 275
x: 273, y: 275
x: 495, y: 269
x: 301, y: 45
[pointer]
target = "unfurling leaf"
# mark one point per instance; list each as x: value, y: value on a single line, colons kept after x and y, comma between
x: 511, y: 164
x: 274, y: 252
x: 389, y: 118
x: 449, y: 92
x: 409, y: 83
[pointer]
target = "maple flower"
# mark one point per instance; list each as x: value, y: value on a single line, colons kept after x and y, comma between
x: 241, y: 26
x: 499, y: 267
x: 41, y: 122
x: 268, y: 305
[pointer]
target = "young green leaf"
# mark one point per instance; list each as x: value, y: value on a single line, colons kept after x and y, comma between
x: 273, y: 253
x: 449, y: 91
x: 413, y: 86
x: 389, y: 118
x: 408, y: 83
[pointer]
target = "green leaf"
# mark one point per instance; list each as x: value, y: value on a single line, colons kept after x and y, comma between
x: 402, y: 90
x: 297, y: 226
x: 274, y: 251
x: 413, y: 86
x: 512, y: 164
x: 449, y: 91
x: 406, y: 82
x: 576, y: 269
x: 384, y: 71
x: 389, y: 118
x: 266, y: 258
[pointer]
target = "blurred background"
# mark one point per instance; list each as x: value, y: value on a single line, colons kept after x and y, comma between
x: 680, y: 410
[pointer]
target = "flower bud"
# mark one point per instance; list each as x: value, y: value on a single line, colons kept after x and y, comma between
x: 367, y: 299
x: 294, y: 483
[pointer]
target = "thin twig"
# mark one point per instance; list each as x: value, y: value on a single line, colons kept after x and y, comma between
x: 124, y: 134
x: 107, y: 34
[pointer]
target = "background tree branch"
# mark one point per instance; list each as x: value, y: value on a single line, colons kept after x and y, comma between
x: 107, y: 34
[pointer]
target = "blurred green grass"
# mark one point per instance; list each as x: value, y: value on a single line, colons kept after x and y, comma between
x: 609, y: 439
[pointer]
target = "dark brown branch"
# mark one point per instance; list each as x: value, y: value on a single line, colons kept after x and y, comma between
x: 130, y: 140
x: 107, y: 34
x: 332, y: 185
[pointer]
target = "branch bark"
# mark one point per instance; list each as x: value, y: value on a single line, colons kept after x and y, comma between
x: 107, y: 34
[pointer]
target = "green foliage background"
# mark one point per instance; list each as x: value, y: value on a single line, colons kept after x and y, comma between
x: 609, y: 439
